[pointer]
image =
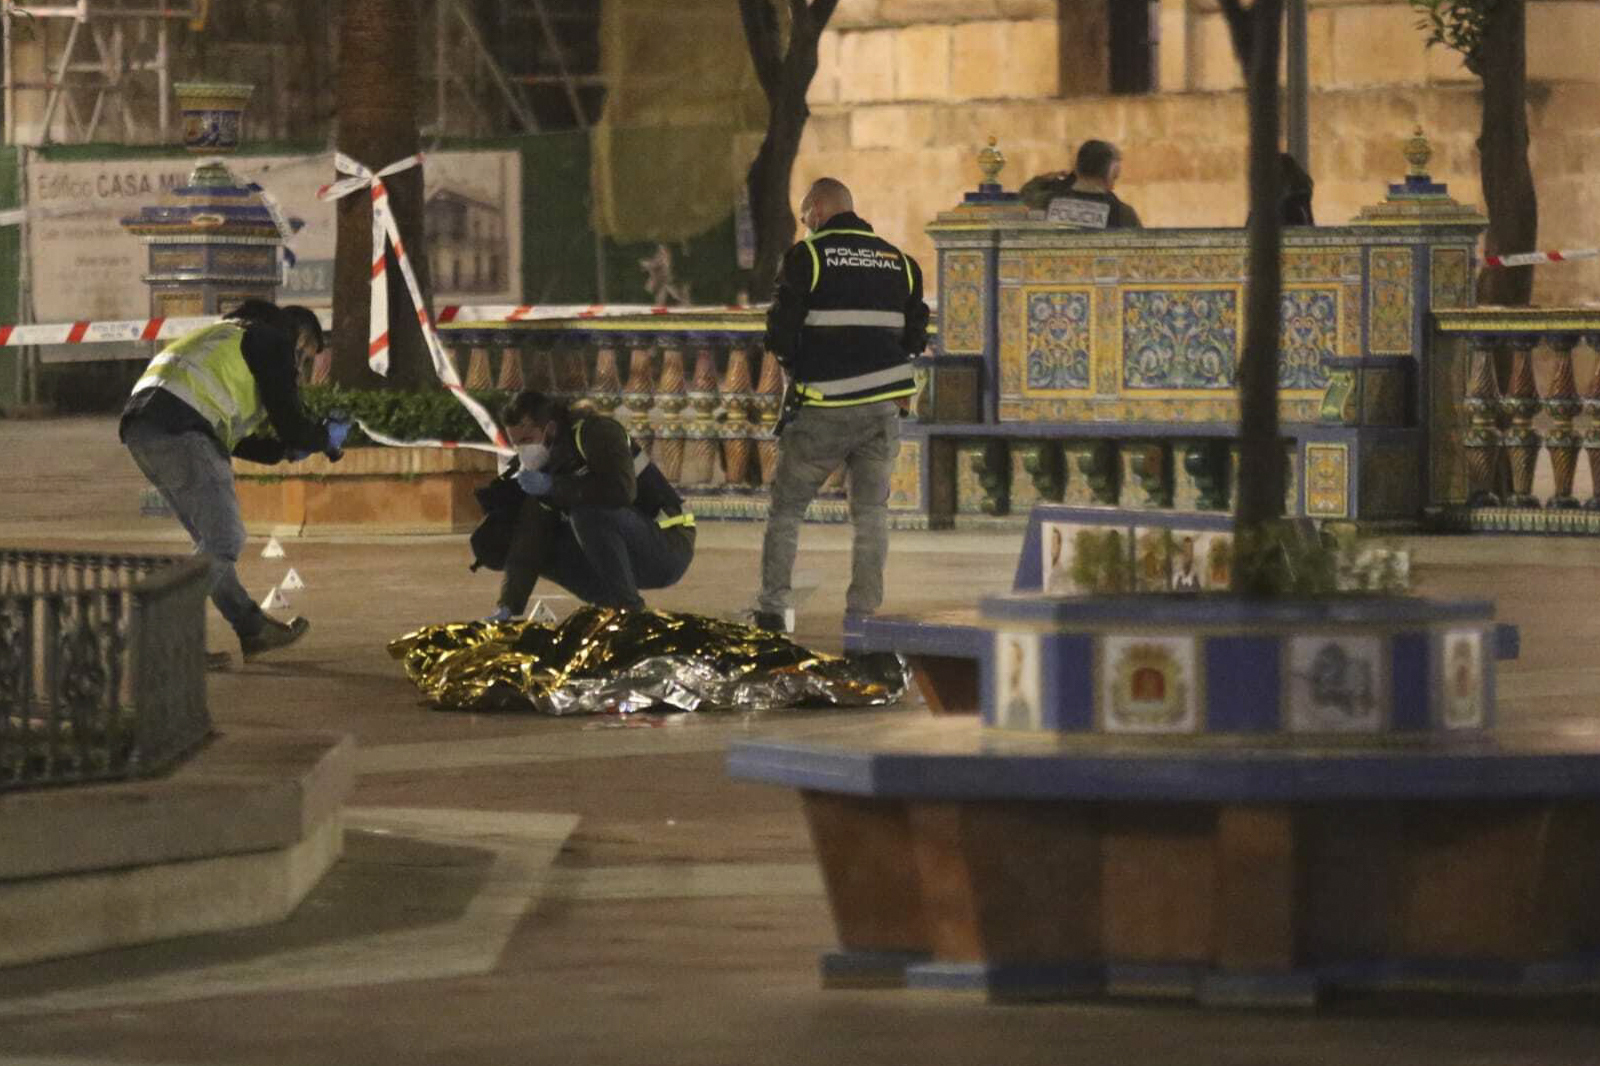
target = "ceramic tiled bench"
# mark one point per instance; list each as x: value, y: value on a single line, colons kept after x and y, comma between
x: 1199, y: 796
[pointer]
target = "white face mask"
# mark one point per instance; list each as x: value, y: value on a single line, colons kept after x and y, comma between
x: 533, y: 456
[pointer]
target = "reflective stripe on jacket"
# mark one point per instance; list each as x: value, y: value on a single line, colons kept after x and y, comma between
x: 206, y: 370
x: 847, y: 316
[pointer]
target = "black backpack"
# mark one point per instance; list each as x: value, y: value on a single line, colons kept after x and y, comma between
x: 501, y: 500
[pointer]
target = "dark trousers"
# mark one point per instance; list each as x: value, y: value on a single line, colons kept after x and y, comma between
x: 602, y: 555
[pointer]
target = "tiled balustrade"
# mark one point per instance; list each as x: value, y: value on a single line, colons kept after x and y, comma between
x: 1511, y: 420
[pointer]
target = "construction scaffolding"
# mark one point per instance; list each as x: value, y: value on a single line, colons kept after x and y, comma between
x: 93, y: 56
x: 514, y: 66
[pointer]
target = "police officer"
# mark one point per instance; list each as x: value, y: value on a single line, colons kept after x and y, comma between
x: 1085, y: 197
x: 200, y: 401
x: 847, y: 317
x: 587, y: 510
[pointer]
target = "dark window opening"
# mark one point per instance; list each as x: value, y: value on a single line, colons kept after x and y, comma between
x: 1135, y: 27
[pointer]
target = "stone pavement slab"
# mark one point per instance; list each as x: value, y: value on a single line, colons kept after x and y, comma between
x: 519, y: 889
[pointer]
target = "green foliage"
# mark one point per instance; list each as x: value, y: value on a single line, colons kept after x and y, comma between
x: 1456, y: 24
x: 1100, y: 561
x: 1280, y: 559
x: 430, y: 414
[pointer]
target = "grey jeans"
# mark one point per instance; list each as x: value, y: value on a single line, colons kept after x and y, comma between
x: 196, y: 480
x: 864, y: 440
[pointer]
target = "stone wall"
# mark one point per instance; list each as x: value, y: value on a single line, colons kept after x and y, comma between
x: 907, y: 91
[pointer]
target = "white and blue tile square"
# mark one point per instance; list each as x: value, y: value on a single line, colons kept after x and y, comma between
x: 1336, y: 683
x: 1015, y: 697
x: 1462, y: 686
x: 1149, y: 684
x: 1057, y: 547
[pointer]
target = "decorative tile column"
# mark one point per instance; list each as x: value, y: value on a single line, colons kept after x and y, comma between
x: 639, y: 393
x: 605, y: 392
x: 1563, y: 403
x: 213, y: 243
x: 1482, y: 439
x: 1520, y: 404
x: 738, y: 400
x: 768, y: 401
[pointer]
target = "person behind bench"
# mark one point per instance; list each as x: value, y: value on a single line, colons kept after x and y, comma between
x: 1085, y: 196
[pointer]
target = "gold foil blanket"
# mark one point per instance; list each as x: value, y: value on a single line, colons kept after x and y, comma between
x: 609, y: 659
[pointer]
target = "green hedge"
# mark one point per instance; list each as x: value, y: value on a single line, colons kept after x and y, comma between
x: 430, y: 414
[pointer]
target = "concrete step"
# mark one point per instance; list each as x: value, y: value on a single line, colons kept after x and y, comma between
x: 234, y: 837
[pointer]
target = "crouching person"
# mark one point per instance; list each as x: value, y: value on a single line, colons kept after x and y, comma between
x: 595, y: 515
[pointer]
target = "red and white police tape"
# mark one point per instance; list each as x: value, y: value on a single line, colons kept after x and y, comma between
x: 386, y: 230
x: 160, y: 329
x: 139, y: 329
x: 1536, y: 258
x: 396, y: 442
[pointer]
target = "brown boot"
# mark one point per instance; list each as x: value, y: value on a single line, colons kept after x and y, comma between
x: 274, y: 635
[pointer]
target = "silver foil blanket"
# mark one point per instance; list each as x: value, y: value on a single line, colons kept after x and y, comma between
x: 608, y: 659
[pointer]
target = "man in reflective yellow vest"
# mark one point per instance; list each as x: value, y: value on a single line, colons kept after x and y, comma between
x: 846, y: 320
x: 201, y: 401
x: 591, y: 511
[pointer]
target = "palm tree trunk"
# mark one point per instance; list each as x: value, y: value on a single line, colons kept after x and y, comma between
x: 377, y: 125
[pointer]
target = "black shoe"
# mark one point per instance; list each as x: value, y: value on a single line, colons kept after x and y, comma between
x: 768, y: 620
x: 274, y: 635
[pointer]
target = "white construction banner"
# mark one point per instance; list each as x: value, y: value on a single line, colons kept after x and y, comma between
x: 86, y: 266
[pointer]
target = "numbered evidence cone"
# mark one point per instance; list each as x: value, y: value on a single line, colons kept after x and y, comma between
x: 275, y: 600
x: 273, y: 550
x: 291, y: 581
x: 542, y: 614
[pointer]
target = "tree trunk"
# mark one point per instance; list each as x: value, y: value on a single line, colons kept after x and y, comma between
x: 1508, y: 191
x: 785, y: 83
x: 377, y: 125
x: 769, y: 180
x: 1257, y: 35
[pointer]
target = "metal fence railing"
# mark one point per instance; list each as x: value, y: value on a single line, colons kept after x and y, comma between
x: 102, y: 665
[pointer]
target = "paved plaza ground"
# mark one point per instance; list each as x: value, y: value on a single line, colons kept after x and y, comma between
x: 519, y: 889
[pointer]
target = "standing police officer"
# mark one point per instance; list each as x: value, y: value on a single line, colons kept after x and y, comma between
x: 846, y: 320
x: 201, y: 401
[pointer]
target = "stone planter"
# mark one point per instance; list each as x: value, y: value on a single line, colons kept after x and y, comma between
x: 371, y: 490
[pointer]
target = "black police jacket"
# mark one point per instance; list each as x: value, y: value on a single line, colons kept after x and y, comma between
x: 595, y: 464
x: 848, y: 315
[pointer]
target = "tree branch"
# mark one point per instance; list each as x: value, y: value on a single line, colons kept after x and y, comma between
x: 1240, y: 29
x: 821, y: 12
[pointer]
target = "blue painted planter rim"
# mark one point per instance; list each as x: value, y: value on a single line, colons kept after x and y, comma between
x: 1190, y: 609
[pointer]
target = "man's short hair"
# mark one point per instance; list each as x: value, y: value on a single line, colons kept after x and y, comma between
x: 537, y: 407
x: 1095, y: 159
x: 300, y: 319
x: 833, y: 192
x: 292, y: 319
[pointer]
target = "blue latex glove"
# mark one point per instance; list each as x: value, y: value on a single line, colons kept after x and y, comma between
x: 338, y: 430
x: 535, y: 482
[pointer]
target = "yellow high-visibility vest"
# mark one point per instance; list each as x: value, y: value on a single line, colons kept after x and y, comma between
x: 206, y: 370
